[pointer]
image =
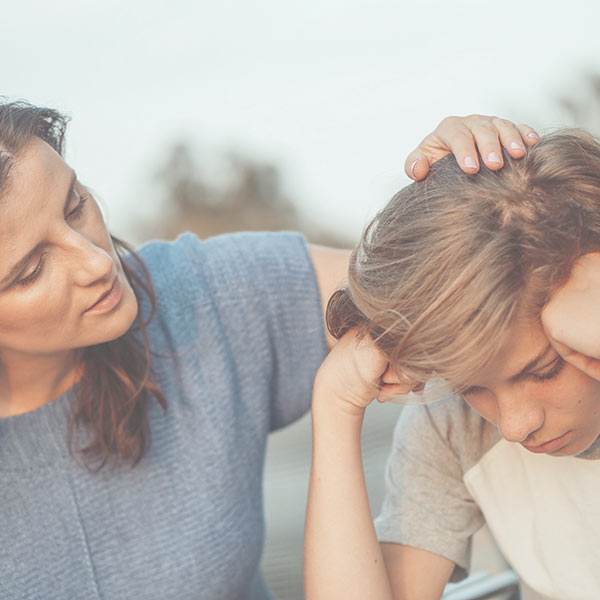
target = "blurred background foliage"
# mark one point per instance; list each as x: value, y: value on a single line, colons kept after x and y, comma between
x: 225, y: 192
x: 581, y: 104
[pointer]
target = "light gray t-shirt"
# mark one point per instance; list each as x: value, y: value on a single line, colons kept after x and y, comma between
x: 450, y: 471
x: 239, y: 323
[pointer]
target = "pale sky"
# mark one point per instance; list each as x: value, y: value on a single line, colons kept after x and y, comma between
x: 334, y: 92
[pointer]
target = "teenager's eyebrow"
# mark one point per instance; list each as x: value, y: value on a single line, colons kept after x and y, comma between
x: 22, y: 263
x: 531, y: 365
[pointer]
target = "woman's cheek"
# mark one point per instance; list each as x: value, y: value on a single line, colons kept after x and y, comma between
x: 46, y: 304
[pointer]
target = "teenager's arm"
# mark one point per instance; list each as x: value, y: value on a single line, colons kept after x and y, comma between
x: 343, y: 558
x: 416, y: 574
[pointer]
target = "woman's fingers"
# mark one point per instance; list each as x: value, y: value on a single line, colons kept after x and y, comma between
x: 468, y: 138
x: 510, y: 137
x: 416, y: 165
x: 456, y: 135
x: 528, y: 134
x: 487, y: 140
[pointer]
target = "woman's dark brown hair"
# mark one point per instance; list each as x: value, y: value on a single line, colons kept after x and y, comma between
x: 117, y: 384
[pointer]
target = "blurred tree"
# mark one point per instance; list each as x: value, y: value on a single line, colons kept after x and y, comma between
x: 245, y: 195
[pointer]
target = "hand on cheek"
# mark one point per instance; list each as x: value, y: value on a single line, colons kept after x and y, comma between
x: 571, y: 319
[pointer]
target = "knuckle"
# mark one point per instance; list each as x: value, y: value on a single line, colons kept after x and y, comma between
x: 449, y: 121
x: 478, y: 118
x: 499, y: 122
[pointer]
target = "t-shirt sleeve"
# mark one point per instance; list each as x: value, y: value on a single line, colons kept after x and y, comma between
x: 426, y: 504
x: 265, y: 308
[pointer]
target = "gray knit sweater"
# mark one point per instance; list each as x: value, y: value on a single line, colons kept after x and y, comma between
x: 239, y: 319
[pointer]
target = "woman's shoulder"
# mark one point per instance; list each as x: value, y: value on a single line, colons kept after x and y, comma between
x: 228, y: 262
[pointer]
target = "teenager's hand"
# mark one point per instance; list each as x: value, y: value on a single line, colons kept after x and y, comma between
x: 463, y: 137
x: 571, y: 319
x: 356, y: 372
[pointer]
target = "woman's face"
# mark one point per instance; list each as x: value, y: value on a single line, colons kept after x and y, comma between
x: 62, y: 286
x: 537, y: 399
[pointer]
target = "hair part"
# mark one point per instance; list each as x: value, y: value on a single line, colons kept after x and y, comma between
x: 112, y: 397
x: 449, y: 266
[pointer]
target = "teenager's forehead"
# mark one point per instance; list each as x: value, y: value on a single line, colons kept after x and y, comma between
x: 526, y: 345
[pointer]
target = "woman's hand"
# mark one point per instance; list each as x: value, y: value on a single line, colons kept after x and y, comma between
x: 356, y: 372
x: 571, y: 319
x: 464, y: 137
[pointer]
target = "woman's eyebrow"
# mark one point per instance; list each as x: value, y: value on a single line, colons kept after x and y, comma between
x: 531, y: 365
x: 20, y: 264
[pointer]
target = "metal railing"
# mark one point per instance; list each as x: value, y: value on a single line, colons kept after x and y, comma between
x: 482, y: 586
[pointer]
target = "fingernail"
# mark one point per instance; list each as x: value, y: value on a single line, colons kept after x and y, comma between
x: 412, y: 168
x: 516, y: 146
x: 533, y: 136
x: 470, y: 162
x: 494, y: 157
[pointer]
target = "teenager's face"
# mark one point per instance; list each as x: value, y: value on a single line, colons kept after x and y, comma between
x: 62, y: 286
x: 535, y: 398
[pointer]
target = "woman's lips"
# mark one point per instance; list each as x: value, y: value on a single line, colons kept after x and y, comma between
x: 108, y: 300
x: 551, y: 446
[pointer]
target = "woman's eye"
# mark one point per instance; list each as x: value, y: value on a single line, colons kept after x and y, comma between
x: 553, y: 372
x: 33, y: 275
x: 79, y: 201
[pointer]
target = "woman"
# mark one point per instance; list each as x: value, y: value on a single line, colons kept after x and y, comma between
x: 203, y: 346
x: 491, y: 283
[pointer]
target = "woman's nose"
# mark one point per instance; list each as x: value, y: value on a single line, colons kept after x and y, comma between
x: 89, y: 262
x: 518, y: 415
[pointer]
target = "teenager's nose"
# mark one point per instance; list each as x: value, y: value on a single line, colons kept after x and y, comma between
x: 518, y: 416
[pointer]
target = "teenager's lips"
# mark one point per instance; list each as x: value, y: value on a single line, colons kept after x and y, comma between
x: 108, y: 300
x: 551, y: 445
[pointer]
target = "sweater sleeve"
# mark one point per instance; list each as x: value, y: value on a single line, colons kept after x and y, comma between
x: 259, y: 307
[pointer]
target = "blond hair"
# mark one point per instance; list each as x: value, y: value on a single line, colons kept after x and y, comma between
x: 446, y: 268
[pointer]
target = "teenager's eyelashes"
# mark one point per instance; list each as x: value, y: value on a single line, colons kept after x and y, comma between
x: 556, y: 366
x: 554, y: 371
x: 474, y: 389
